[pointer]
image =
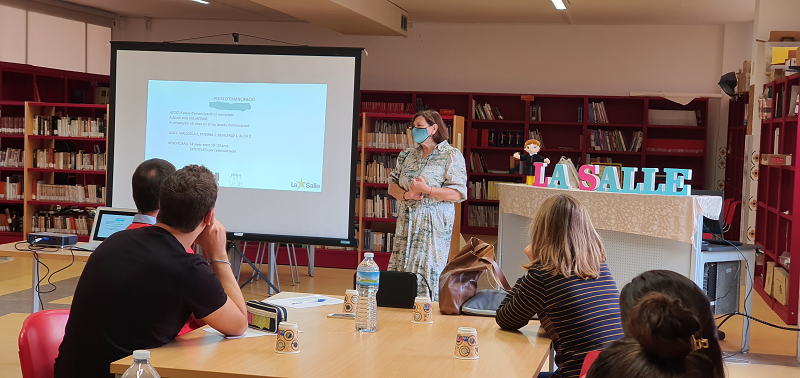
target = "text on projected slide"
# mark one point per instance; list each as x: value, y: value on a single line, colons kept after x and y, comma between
x: 251, y: 135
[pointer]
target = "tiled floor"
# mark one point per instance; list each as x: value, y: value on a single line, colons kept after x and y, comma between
x: 772, y: 351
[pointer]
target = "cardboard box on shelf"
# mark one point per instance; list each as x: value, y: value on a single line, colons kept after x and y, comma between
x: 780, y: 286
x: 768, y: 279
x: 776, y: 159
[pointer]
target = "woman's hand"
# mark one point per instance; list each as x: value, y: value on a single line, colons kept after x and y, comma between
x: 420, y: 186
x: 529, y: 252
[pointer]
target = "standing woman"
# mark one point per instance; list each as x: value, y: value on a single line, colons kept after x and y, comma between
x: 427, y: 181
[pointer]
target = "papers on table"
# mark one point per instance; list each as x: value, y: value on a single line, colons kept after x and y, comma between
x: 305, y: 301
x: 249, y: 333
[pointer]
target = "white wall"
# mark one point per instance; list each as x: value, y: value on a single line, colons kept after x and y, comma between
x: 554, y: 59
x: 51, y: 40
x: 13, y: 28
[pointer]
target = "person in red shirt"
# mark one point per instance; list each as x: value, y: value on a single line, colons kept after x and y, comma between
x: 146, y: 185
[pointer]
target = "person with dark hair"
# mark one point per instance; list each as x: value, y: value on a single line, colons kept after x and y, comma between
x: 669, y: 328
x: 140, y: 286
x: 568, y: 285
x: 426, y: 182
x: 146, y: 185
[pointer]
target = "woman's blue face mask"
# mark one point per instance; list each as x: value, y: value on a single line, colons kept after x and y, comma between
x: 419, y: 135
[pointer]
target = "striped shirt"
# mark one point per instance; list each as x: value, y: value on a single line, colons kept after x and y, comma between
x: 579, y: 315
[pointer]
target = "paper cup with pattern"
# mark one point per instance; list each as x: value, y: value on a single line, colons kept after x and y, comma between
x: 422, y: 311
x: 287, y: 341
x: 466, y: 344
x: 350, y: 301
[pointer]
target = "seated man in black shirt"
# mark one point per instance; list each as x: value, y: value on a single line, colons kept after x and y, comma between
x: 140, y: 286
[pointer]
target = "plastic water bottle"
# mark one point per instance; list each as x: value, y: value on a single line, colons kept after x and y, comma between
x: 367, y: 277
x: 141, y: 367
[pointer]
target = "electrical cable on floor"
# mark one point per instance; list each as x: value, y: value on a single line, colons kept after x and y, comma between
x: 728, y: 356
x: 31, y: 247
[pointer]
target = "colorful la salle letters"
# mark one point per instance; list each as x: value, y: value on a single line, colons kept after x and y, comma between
x: 589, y: 179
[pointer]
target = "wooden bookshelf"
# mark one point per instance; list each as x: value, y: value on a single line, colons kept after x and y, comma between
x: 35, y: 174
x: 24, y: 87
x: 779, y: 200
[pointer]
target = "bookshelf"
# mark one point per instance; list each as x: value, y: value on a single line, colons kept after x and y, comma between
x: 779, y: 200
x: 377, y: 158
x: 57, y: 160
x: 63, y: 91
x: 564, y: 124
x: 735, y: 160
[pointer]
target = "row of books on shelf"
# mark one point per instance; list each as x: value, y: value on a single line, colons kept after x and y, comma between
x: 485, y: 111
x: 379, y: 168
x: 70, y: 127
x: 496, y: 138
x: 682, y: 146
x: 388, y: 107
x: 536, y: 134
x: 485, y: 190
x: 388, y: 134
x: 597, y: 112
x: 12, y: 125
x: 70, y: 223
x: 77, y: 160
x: 9, y: 221
x: 380, y: 205
x: 477, y: 164
x: 90, y: 193
x: 378, y: 241
x: 12, y: 158
x: 614, y: 140
x: 536, y: 112
x: 12, y: 188
x: 483, y: 216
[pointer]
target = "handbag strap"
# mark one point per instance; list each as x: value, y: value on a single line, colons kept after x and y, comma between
x: 497, y: 273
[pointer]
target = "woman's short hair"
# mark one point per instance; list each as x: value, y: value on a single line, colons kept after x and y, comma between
x: 564, y: 241
x: 433, y: 117
x: 660, y: 342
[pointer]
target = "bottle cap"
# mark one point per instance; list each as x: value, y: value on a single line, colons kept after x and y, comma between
x: 141, y: 354
x: 368, y: 255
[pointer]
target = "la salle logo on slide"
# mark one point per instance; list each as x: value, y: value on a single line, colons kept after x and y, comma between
x: 304, y: 185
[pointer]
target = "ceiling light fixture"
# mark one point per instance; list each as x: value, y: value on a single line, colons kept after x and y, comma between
x: 206, y: 2
x: 559, y: 4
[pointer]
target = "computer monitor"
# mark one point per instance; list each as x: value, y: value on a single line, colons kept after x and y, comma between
x: 712, y: 226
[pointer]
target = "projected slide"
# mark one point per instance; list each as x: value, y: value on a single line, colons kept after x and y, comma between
x: 251, y: 135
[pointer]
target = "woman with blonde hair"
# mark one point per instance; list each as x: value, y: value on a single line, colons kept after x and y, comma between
x: 568, y: 285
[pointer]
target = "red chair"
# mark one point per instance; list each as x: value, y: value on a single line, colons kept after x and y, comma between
x: 39, y: 340
x: 587, y: 362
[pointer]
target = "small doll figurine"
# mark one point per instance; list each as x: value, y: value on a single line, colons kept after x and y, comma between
x: 532, y: 147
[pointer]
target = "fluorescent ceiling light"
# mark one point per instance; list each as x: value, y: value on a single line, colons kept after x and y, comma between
x: 206, y: 2
x: 559, y: 4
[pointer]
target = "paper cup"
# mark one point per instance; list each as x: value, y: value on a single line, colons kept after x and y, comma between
x: 466, y: 344
x: 350, y: 301
x: 287, y: 341
x: 422, y: 311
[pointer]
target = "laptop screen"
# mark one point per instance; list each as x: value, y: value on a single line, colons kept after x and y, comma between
x: 110, y: 221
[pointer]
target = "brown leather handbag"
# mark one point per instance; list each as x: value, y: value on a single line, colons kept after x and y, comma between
x: 459, y: 279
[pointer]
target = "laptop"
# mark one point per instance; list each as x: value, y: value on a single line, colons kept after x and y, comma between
x: 107, y: 221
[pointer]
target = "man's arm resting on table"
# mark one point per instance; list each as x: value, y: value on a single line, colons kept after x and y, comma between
x: 231, y: 318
